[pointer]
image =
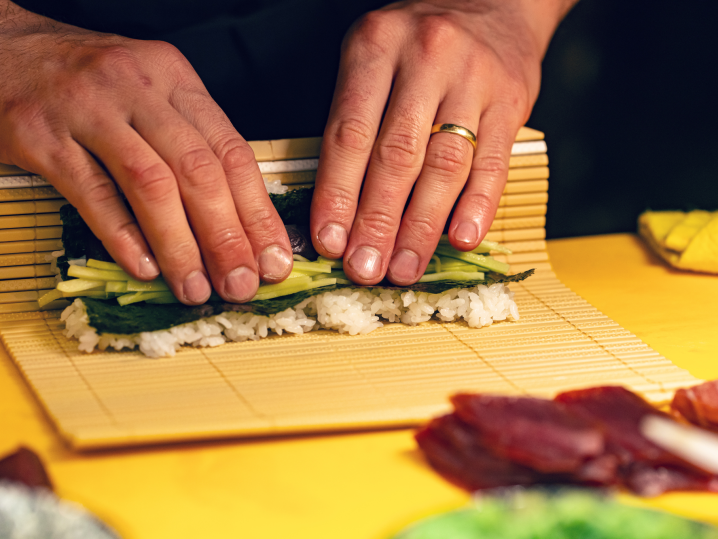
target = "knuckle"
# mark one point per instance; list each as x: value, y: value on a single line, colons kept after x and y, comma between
x: 448, y: 155
x: 479, y: 203
x: 491, y: 164
x: 378, y: 225
x: 372, y: 34
x: 105, y: 68
x: 435, y: 33
x: 225, y: 244
x: 422, y: 226
x: 399, y: 149
x: 165, y: 50
x: 178, y: 255
x: 151, y: 182
x: 125, y: 232
x: 200, y: 168
x: 355, y: 135
x: 236, y: 156
x: 335, y: 199
x: 97, y: 190
x: 262, y: 220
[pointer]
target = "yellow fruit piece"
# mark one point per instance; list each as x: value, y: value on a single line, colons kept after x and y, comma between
x: 660, y: 223
x: 681, y: 235
x: 702, y: 252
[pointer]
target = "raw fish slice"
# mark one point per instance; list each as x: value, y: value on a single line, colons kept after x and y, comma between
x: 24, y: 466
x: 541, y: 434
x: 646, y: 480
x: 599, y: 471
x: 454, y: 451
x: 698, y: 405
x: 620, y: 412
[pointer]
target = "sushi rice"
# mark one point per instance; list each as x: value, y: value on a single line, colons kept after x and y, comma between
x: 347, y: 310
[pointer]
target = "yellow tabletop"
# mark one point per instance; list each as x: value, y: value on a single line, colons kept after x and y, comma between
x: 366, y: 485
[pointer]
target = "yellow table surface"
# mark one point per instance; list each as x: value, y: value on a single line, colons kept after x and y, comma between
x: 365, y: 485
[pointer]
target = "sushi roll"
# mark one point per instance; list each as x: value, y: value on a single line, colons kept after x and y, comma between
x: 111, y: 310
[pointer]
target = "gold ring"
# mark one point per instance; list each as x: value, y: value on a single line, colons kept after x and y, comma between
x: 456, y: 130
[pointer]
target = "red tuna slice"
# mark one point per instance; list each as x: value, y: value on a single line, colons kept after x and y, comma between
x: 454, y: 450
x: 646, y: 480
x: 24, y: 466
x: 698, y: 405
x: 620, y: 412
x: 539, y: 433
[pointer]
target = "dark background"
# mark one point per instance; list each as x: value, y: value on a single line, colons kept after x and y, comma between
x: 628, y: 105
x: 628, y: 100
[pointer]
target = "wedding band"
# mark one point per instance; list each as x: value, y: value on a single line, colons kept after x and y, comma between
x: 456, y: 130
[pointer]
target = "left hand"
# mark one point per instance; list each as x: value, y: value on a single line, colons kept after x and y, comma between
x: 404, y: 68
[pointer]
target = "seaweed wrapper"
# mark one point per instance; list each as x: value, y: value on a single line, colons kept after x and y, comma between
x: 107, y: 316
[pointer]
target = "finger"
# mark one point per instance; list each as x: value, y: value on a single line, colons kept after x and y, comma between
x: 477, y: 206
x: 394, y: 167
x: 207, y: 199
x: 443, y: 176
x: 260, y: 220
x: 151, y: 189
x: 90, y: 190
x: 363, y: 87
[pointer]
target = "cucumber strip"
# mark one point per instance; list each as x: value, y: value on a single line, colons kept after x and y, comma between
x: 452, y: 276
x: 167, y: 297
x: 293, y: 290
x: 51, y: 296
x: 437, y: 263
x: 78, y: 285
x: 158, y: 285
x: 116, y: 286
x: 483, y: 247
x: 477, y: 260
x: 99, y: 264
x: 296, y: 274
x: 454, y: 265
x: 300, y: 258
x: 496, y: 247
x: 333, y: 275
x: 87, y: 294
x: 333, y: 263
x: 291, y: 283
x: 136, y: 297
x: 95, y: 274
x: 314, y: 267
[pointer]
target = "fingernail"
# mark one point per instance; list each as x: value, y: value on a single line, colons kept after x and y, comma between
x: 333, y: 238
x: 241, y: 284
x: 148, y: 268
x: 366, y: 261
x: 275, y: 262
x: 196, y: 288
x: 404, y: 265
x: 467, y: 232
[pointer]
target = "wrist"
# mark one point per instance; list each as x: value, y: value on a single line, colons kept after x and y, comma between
x: 543, y: 17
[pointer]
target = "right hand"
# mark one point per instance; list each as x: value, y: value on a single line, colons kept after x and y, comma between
x: 92, y: 112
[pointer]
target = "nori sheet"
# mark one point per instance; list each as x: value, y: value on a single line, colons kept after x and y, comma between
x: 77, y: 238
x: 107, y: 316
x: 293, y: 206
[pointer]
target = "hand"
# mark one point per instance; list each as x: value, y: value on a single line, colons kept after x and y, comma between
x: 404, y: 68
x: 93, y: 112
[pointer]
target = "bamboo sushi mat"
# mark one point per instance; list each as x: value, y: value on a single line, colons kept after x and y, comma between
x: 321, y: 381
x: 324, y: 381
